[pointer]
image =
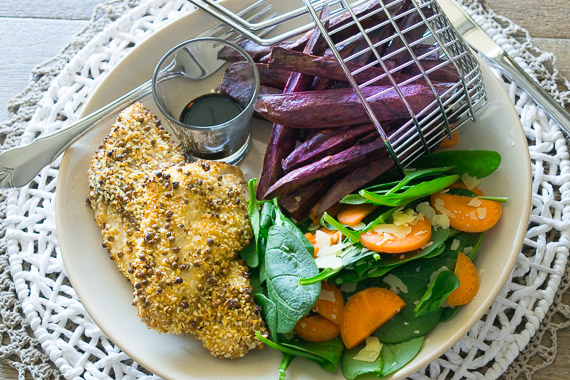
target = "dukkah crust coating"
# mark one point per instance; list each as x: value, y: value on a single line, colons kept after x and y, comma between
x: 174, y: 230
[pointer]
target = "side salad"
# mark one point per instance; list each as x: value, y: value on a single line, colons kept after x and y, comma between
x: 360, y: 286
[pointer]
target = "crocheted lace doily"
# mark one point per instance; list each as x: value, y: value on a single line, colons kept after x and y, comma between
x: 46, y: 331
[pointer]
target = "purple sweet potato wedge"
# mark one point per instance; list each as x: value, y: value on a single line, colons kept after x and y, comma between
x: 324, y: 143
x: 341, y: 107
x: 324, y: 167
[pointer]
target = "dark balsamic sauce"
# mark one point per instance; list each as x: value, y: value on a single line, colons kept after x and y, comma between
x: 210, y: 109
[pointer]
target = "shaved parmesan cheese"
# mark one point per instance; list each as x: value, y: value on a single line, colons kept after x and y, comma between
x: 470, y: 181
x: 359, y: 226
x: 407, y: 216
x: 441, y: 221
x: 396, y: 285
x: 440, y: 206
x: 347, y: 288
x: 481, y: 212
x: 454, y: 244
x: 323, y: 239
x: 328, y: 261
x: 371, y: 350
x: 327, y: 295
x: 425, y: 209
x: 475, y: 202
x: 399, y: 232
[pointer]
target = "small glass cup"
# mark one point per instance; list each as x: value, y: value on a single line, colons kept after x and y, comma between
x: 196, y: 68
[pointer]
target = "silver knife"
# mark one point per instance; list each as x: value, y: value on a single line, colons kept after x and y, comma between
x: 481, y: 42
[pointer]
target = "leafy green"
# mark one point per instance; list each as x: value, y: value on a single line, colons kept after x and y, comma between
x: 321, y: 361
x: 395, y: 356
x: 477, y: 163
x: 285, y: 362
x: 268, y: 312
x: 437, y: 292
x: 353, y: 368
x: 416, y: 275
x: 330, y: 221
x: 330, y: 350
x: 287, y: 260
x: 418, y: 191
x: 249, y: 255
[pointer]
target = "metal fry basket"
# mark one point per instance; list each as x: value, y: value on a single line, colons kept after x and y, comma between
x: 399, y: 42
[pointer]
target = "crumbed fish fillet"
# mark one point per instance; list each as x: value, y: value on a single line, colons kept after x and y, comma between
x: 175, y: 229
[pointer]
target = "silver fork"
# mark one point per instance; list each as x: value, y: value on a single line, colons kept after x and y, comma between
x: 18, y: 166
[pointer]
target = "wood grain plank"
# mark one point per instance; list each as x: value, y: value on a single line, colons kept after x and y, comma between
x: 543, y: 19
x: 24, y: 43
x: 56, y: 9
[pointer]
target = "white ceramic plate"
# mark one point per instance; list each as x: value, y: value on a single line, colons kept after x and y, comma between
x: 107, y: 295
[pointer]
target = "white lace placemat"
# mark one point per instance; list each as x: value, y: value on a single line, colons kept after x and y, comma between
x: 56, y: 321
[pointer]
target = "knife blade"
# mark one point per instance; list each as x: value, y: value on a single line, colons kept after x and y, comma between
x: 482, y: 43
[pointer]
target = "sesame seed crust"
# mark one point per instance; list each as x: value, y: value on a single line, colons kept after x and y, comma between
x: 174, y: 229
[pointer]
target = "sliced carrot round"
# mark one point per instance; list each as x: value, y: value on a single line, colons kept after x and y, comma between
x: 330, y: 302
x: 351, y: 215
x: 468, y: 282
x: 388, y: 238
x: 449, y: 142
x: 466, y: 213
x: 316, y: 328
x: 365, y: 312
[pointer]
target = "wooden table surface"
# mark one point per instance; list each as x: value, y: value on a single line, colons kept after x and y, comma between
x: 32, y: 32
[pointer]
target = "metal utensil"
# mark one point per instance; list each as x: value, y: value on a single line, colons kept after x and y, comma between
x: 18, y: 166
x: 390, y: 34
x: 481, y: 42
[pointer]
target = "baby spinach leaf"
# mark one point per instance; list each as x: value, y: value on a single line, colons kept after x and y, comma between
x: 249, y: 255
x: 330, y: 350
x: 477, y: 163
x: 393, y: 356
x: 353, y: 368
x: 411, y: 175
x: 468, y: 243
x: 416, y: 275
x: 349, y: 256
x: 287, y: 261
x: 397, y: 355
x: 354, y: 199
x: 324, y: 363
x: 437, y: 292
x: 282, y: 220
x: 323, y: 275
x: 448, y: 313
x: 418, y: 191
x: 268, y: 312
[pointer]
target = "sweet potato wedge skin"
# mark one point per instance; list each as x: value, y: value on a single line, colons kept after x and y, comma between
x: 324, y: 167
x: 324, y: 143
x: 283, y: 138
x: 341, y: 107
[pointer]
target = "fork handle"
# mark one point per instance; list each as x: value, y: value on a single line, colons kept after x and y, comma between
x: 20, y: 165
x: 521, y: 78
